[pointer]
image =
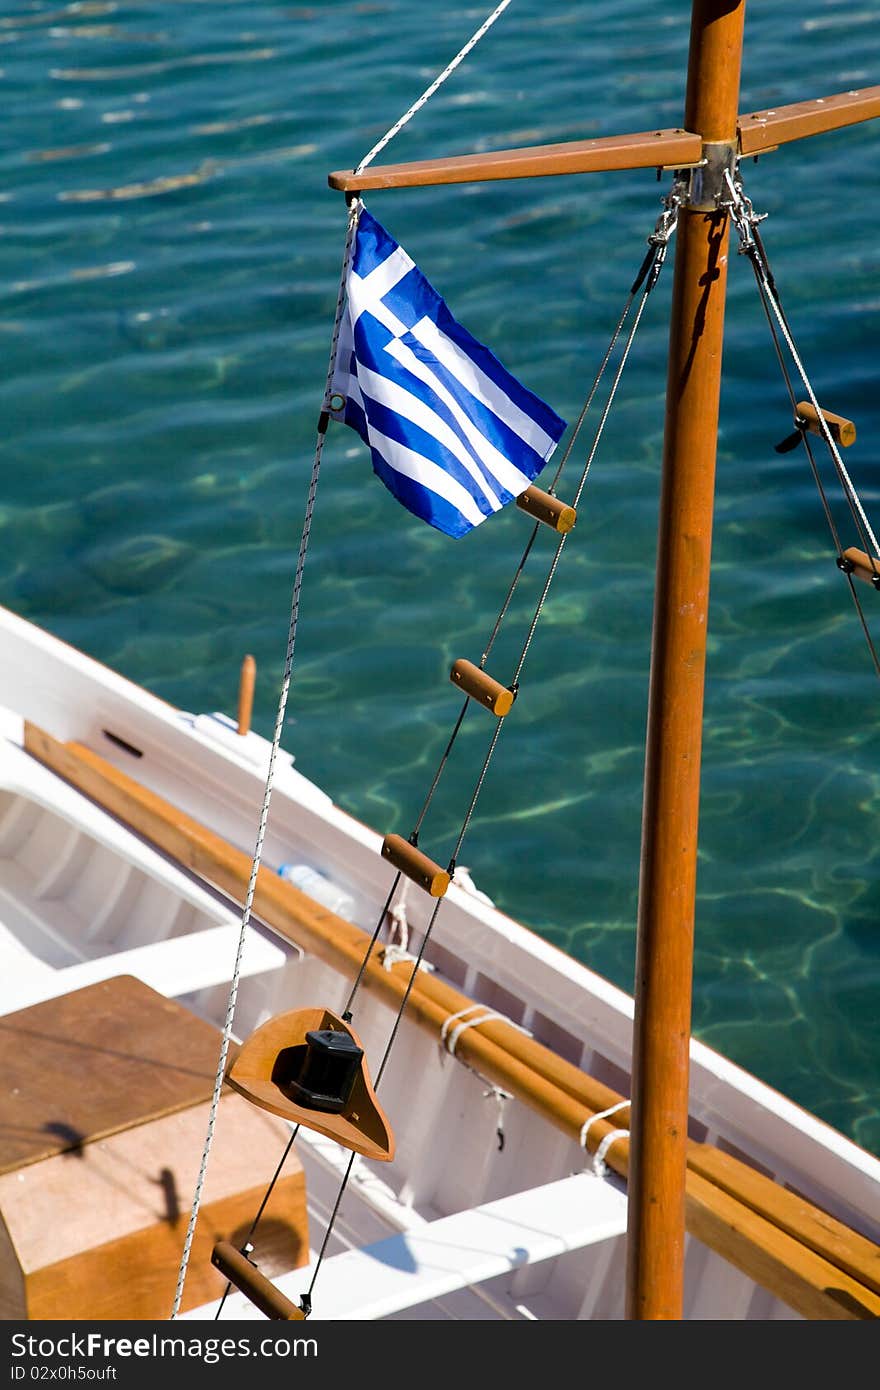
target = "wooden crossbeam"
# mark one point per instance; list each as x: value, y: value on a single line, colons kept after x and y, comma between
x: 763, y: 130
x: 758, y: 132
x: 647, y: 150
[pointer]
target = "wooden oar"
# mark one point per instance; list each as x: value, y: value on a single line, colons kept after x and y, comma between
x: 814, y: 1263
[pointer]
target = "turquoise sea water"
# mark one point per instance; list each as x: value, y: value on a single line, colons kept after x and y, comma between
x: 169, y: 258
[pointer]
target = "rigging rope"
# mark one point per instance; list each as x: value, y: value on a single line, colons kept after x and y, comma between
x: 429, y: 91
x: 246, y: 1246
x: 354, y: 212
x: 267, y: 796
x: 752, y: 246
x: 648, y: 275
x: 652, y: 262
x: 743, y: 221
x: 664, y: 228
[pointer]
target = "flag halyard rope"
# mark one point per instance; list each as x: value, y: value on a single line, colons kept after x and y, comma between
x: 267, y: 795
x: 355, y: 206
x: 434, y: 86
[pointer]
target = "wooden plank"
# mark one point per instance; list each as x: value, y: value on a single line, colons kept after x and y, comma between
x: 791, y: 1213
x: 801, y: 1278
x: 763, y: 130
x: 100, y: 1235
x: 554, y: 1088
x: 95, y: 1061
x: 646, y: 150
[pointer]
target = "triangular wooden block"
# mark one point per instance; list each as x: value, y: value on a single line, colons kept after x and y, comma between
x: 260, y: 1075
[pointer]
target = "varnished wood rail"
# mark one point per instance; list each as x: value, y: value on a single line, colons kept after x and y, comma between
x: 645, y: 150
x: 758, y: 132
x: 814, y: 1263
x: 761, y: 131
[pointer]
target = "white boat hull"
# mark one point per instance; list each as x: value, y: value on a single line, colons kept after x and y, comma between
x: 82, y: 898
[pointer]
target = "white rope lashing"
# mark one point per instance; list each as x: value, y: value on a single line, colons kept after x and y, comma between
x: 501, y: 1099
x: 599, y: 1165
x: 429, y: 91
x: 449, y: 1041
x: 397, y: 948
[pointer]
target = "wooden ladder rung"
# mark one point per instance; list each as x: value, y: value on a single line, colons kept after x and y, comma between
x: 842, y: 431
x: 860, y: 564
x: 238, y: 1269
x: 481, y: 687
x: 415, y: 865
x: 543, y: 506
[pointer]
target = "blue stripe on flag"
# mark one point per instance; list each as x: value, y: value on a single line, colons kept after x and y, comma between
x: 452, y: 434
x: 398, y: 378
x: 391, y: 425
x: 421, y: 501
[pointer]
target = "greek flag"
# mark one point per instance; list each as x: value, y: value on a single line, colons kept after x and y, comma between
x: 452, y: 434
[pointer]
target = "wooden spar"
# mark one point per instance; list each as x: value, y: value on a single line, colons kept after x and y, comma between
x: 647, y: 150
x: 261, y: 1291
x: 667, y: 887
x: 765, y: 130
x: 758, y: 133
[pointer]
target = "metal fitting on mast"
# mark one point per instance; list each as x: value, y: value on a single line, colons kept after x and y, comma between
x: 707, y: 182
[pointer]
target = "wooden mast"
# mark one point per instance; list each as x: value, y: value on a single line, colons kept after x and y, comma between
x: 713, y: 136
x: 667, y: 888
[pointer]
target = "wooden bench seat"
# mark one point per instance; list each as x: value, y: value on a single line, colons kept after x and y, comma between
x: 103, y: 1115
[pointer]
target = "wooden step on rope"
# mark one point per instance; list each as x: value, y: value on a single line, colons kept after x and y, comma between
x: 842, y: 431
x: 543, y: 506
x: 481, y: 687
x: 415, y: 865
x: 237, y: 1268
x: 861, y: 565
x: 814, y: 1263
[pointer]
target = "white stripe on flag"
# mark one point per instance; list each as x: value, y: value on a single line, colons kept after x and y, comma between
x: 360, y: 302
x: 409, y: 407
x: 371, y: 289
x: 509, y: 476
x: 429, y: 475
x: 465, y: 370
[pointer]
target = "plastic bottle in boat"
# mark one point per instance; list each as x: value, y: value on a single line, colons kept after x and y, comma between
x: 318, y: 886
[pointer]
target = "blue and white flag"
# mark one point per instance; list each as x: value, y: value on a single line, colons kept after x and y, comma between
x: 452, y: 434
